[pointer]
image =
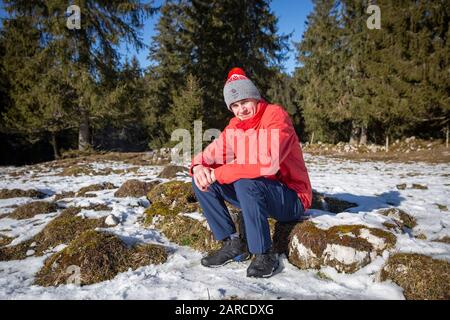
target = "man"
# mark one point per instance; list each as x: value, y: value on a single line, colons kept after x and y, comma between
x: 256, y: 165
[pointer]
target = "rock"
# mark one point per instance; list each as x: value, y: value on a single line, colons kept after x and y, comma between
x: 30, y: 253
x: 420, y: 276
x: 401, y: 186
x: 400, y: 217
x: 144, y: 203
x: 31, y: 209
x: 135, y: 188
x: 347, y: 248
x: 172, y: 197
x: 170, y: 172
x: 97, y: 257
x: 112, y: 220
x: 331, y: 204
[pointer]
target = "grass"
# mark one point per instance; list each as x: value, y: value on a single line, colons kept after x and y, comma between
x: 134, y: 188
x: 60, y: 230
x: 16, y: 193
x: 31, y: 209
x: 420, y: 276
x: 99, y: 256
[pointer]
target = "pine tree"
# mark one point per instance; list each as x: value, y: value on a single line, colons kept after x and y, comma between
x: 206, y: 39
x: 317, y: 81
x: 83, y: 60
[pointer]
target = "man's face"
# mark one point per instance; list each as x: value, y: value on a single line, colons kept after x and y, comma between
x: 244, y: 109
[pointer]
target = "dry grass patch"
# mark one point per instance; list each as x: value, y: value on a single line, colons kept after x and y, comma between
x: 31, y: 209
x: 5, y: 240
x: 63, y: 195
x: 17, y: 193
x: 95, y: 187
x: 99, y: 256
x: 421, y: 277
x: 134, y: 188
x: 60, y: 230
x: 186, y: 231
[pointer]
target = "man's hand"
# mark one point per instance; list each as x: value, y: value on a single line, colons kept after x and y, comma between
x: 203, y: 177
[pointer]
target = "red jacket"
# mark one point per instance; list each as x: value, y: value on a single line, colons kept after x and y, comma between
x: 266, y: 146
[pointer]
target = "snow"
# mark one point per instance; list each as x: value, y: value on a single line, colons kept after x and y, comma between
x: 344, y: 255
x: 371, y: 185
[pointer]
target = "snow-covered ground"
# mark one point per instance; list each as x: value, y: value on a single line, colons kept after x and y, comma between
x: 372, y: 185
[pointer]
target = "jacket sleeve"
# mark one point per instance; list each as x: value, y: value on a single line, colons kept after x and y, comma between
x: 280, y: 128
x: 213, y: 156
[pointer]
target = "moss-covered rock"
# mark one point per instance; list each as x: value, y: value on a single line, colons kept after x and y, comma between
x: 31, y: 209
x: 186, y: 231
x: 95, y: 187
x: 173, y: 190
x: 326, y: 203
x: 60, y: 230
x: 281, y: 234
x: 99, y: 257
x: 347, y: 248
x: 175, y: 195
x: 170, y: 172
x: 16, y: 193
x: 420, y: 276
x: 400, y: 217
x: 134, y: 188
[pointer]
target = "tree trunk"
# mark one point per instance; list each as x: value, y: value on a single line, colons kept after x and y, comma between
x: 54, y: 144
x: 363, y: 139
x: 446, y: 137
x: 387, y: 143
x: 312, y: 138
x: 354, y: 135
x: 84, y: 136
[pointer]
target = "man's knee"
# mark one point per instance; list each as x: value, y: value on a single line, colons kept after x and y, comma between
x: 248, y: 186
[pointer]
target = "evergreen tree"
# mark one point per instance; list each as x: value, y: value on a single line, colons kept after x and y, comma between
x: 317, y: 81
x: 206, y: 39
x: 83, y: 60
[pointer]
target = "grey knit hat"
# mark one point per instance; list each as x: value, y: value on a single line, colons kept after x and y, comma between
x: 239, y: 87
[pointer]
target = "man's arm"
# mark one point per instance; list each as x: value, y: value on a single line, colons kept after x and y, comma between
x: 231, y: 172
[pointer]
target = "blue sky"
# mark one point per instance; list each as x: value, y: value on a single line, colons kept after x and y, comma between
x: 291, y: 18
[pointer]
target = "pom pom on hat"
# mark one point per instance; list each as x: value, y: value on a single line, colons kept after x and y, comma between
x: 236, y: 74
x: 239, y: 87
x: 236, y: 71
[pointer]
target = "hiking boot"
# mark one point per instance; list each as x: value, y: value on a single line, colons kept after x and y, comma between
x: 263, y: 266
x: 232, y: 250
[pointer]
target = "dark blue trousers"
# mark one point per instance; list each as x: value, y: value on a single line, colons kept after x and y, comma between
x: 258, y: 200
